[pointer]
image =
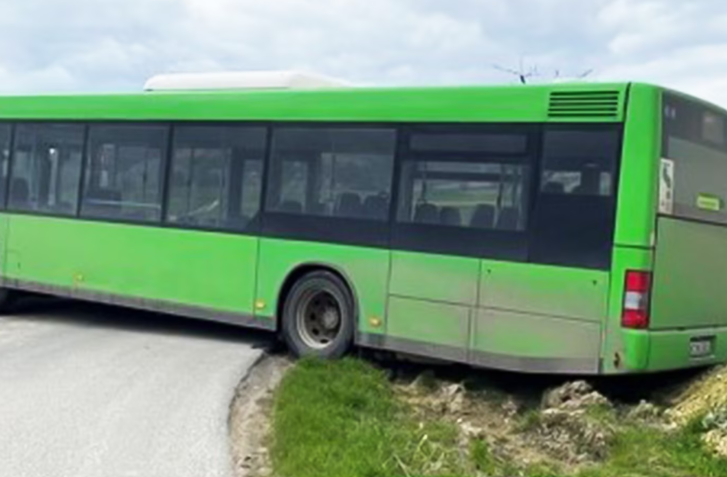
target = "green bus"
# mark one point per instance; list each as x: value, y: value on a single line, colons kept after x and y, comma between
x: 567, y: 228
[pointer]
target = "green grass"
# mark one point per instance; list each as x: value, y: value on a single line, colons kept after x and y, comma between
x: 643, y: 451
x: 482, y: 458
x: 342, y: 419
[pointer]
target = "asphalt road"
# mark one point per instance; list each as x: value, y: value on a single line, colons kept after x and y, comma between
x: 94, y: 391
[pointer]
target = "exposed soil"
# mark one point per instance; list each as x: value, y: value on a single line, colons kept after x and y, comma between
x: 566, y: 425
x: 250, y: 412
x: 560, y: 431
x: 705, y: 398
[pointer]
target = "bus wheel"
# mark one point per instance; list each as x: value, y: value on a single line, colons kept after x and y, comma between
x: 318, y: 316
x: 6, y: 297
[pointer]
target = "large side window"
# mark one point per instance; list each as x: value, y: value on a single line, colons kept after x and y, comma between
x: 579, y: 162
x: 327, y: 183
x: 490, y: 196
x: 5, y: 133
x: 46, y: 168
x: 123, y: 177
x: 465, y: 190
x: 575, y: 210
x: 342, y: 173
x: 216, y: 176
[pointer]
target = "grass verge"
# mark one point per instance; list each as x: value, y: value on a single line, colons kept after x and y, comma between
x: 344, y: 419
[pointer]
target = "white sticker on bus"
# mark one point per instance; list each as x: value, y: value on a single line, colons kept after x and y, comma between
x: 666, y: 187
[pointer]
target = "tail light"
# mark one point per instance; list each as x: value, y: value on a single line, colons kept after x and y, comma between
x: 636, y: 300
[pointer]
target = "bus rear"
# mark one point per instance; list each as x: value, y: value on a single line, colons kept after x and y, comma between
x: 674, y: 315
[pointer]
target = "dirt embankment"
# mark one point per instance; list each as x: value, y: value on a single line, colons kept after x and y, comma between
x: 568, y: 427
x: 705, y: 398
x: 249, y: 421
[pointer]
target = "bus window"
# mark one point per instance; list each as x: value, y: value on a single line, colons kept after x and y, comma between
x: 325, y: 172
x: 694, y: 141
x: 464, y: 190
x: 216, y: 176
x: 460, y: 194
x: 293, y: 186
x: 575, y: 209
x: 46, y: 168
x: 123, y: 172
x: 585, y: 169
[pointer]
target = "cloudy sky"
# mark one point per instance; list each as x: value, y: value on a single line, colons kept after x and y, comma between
x: 102, y: 45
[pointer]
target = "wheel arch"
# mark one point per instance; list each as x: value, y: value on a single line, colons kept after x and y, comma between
x: 303, y: 269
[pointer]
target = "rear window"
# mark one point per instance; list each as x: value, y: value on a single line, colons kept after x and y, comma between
x: 575, y: 209
x: 694, y: 161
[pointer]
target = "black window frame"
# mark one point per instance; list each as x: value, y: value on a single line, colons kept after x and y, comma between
x: 389, y: 234
x: 15, y: 126
x: 601, y: 259
x: 496, y: 244
x: 328, y: 229
x: 254, y: 226
x: 163, y: 170
x: 253, y: 230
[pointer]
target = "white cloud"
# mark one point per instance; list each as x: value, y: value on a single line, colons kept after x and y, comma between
x: 92, y: 45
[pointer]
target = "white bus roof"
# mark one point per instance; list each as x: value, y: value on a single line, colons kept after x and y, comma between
x: 242, y: 80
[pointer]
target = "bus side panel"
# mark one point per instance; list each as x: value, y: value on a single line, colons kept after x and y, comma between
x: 535, y: 343
x: 573, y: 293
x: 431, y: 298
x: 365, y: 269
x: 690, y: 273
x: 431, y: 277
x: 539, y: 318
x: 208, y: 270
x: 688, y: 302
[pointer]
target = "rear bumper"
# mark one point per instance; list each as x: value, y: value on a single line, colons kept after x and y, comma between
x: 649, y: 351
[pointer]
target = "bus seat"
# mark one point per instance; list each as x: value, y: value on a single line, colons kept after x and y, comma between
x: 376, y: 207
x: 103, y: 203
x: 291, y: 207
x: 450, y: 216
x: 112, y: 199
x: 426, y: 214
x: 554, y: 188
x: 508, y: 219
x: 19, y: 191
x: 349, y: 205
x: 484, y: 217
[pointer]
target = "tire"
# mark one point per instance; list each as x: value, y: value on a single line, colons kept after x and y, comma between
x: 318, y: 316
x: 6, y: 300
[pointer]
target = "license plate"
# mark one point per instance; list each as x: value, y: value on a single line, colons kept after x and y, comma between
x: 701, y: 347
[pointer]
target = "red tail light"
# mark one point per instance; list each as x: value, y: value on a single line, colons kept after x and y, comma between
x: 636, y: 300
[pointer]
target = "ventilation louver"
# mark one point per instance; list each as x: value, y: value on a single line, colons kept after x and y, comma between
x: 584, y: 104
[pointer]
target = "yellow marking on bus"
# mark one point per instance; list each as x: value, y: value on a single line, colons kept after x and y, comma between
x: 375, y: 322
x: 260, y: 305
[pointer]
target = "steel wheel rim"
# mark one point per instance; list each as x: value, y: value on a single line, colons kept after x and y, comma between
x: 318, y: 319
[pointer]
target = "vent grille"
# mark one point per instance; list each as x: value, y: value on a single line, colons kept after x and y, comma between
x: 584, y: 104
